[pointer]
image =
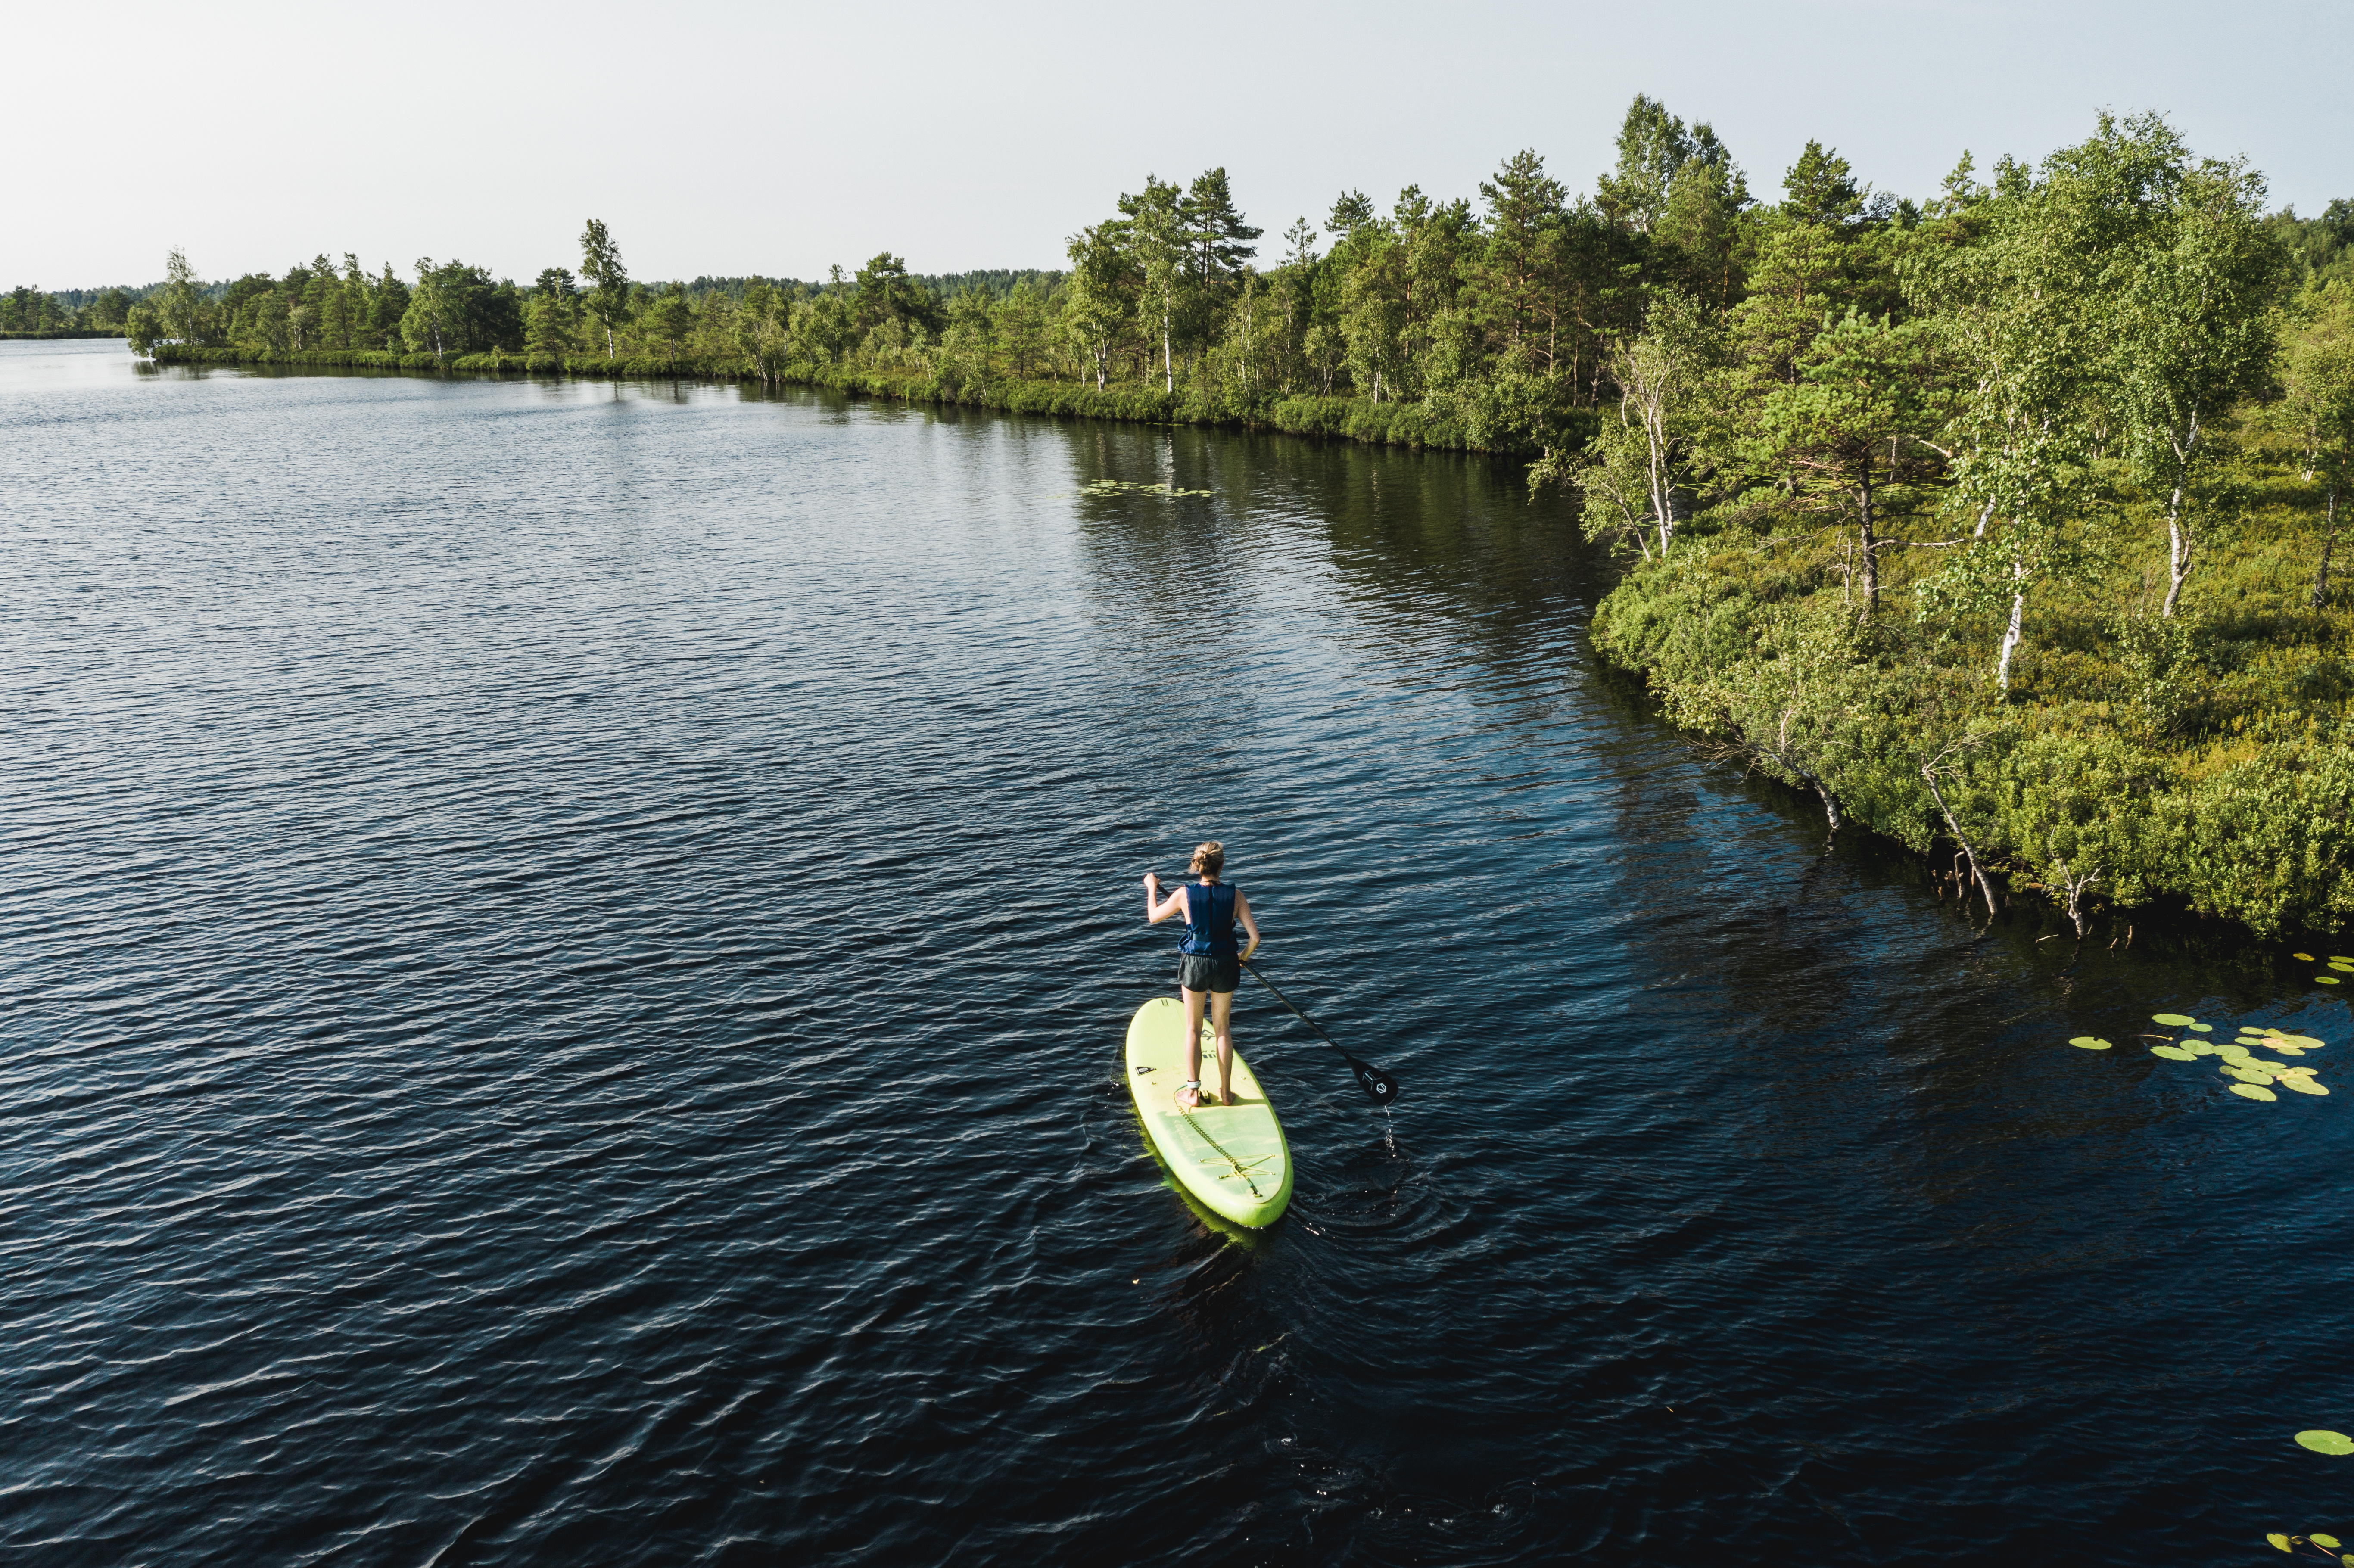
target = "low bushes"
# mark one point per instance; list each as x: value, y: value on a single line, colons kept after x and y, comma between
x: 2226, y: 789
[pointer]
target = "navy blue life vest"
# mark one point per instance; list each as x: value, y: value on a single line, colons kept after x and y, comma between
x: 1209, y: 921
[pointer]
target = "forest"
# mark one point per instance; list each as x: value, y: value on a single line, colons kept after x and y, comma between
x: 2001, y: 522
x: 28, y: 311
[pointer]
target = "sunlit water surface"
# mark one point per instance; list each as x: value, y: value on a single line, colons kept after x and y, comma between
x: 567, y: 953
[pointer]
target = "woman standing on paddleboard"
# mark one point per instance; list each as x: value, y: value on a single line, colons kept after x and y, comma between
x: 1209, y: 967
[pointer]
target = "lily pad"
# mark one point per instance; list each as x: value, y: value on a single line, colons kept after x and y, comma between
x: 2320, y: 1540
x: 2322, y: 1442
x: 2176, y: 1020
x: 2325, y: 979
x: 2302, y: 957
x: 2303, y: 1086
x: 2306, y: 1041
x: 2277, y: 1539
x: 2250, y: 1091
x: 2199, y: 1048
x: 2341, y: 959
x: 2247, y: 1076
x: 2173, y: 1053
x: 2089, y: 1042
x: 2236, y: 1053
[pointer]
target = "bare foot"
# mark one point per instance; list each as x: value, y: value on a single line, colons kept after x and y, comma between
x: 1187, y: 1098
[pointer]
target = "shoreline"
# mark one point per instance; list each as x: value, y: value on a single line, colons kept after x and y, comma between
x: 1875, y: 788
x: 1409, y: 425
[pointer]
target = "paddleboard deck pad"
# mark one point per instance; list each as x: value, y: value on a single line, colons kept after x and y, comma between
x: 1232, y: 1158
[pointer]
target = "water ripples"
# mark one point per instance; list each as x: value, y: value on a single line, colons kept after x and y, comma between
x: 568, y: 955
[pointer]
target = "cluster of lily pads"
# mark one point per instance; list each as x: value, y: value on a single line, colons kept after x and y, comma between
x: 2339, y: 964
x: 1134, y: 487
x: 2255, y: 1077
x: 2325, y: 1547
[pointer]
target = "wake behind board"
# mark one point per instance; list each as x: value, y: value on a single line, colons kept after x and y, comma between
x: 1231, y: 1158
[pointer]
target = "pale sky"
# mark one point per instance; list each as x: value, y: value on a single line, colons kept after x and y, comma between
x: 728, y: 139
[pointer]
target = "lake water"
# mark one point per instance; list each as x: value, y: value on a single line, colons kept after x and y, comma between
x: 567, y: 954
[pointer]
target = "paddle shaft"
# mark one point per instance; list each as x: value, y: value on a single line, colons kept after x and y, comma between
x: 1378, y: 1086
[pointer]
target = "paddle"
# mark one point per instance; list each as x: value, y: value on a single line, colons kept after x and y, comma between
x: 1379, y: 1086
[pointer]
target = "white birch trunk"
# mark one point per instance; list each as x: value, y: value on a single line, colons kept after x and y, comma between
x: 1929, y: 777
x: 2328, y: 538
x: 2011, y: 633
x: 2178, y: 536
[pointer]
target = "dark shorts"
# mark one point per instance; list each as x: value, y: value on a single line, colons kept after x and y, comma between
x: 1203, y: 971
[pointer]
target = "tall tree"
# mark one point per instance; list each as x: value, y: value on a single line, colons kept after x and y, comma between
x: 2005, y: 283
x: 2318, y: 380
x: 2192, y: 334
x: 1215, y: 232
x: 180, y: 303
x: 885, y: 293
x: 1376, y: 303
x: 608, y: 281
x: 1636, y: 465
x: 1855, y: 425
x: 436, y: 315
x: 673, y: 319
x: 331, y: 325
x: 1653, y: 147
x: 1102, y: 292
x: 1022, y: 327
x: 1524, y: 205
x: 1699, y: 231
x: 1157, y: 235
x: 388, y: 308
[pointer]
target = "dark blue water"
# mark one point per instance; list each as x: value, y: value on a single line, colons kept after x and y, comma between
x: 567, y: 953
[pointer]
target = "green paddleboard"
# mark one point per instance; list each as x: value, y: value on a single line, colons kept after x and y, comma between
x: 1231, y: 1158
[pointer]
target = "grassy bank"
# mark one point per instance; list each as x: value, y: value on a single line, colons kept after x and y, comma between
x: 1345, y: 418
x: 63, y: 332
x: 2202, y: 764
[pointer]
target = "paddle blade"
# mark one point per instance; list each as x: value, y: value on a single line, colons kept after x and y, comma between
x: 1379, y: 1086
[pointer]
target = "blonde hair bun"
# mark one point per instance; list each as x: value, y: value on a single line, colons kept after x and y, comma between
x: 1209, y: 859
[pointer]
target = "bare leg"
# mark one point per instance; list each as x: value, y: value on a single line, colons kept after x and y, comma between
x: 1193, y: 999
x: 1222, y: 1019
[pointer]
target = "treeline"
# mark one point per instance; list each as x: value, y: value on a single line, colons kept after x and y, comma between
x: 2000, y: 521
x: 25, y: 312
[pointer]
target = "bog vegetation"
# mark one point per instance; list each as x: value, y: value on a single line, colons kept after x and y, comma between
x: 2000, y: 522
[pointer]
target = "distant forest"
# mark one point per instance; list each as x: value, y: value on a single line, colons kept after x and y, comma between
x: 1503, y: 308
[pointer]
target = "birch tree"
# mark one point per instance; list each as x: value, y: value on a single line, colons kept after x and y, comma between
x: 1158, y: 239
x: 2192, y: 336
x: 1638, y: 460
x: 1101, y: 295
x: 608, y: 279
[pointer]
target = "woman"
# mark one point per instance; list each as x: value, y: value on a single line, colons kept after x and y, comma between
x: 1208, y: 967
